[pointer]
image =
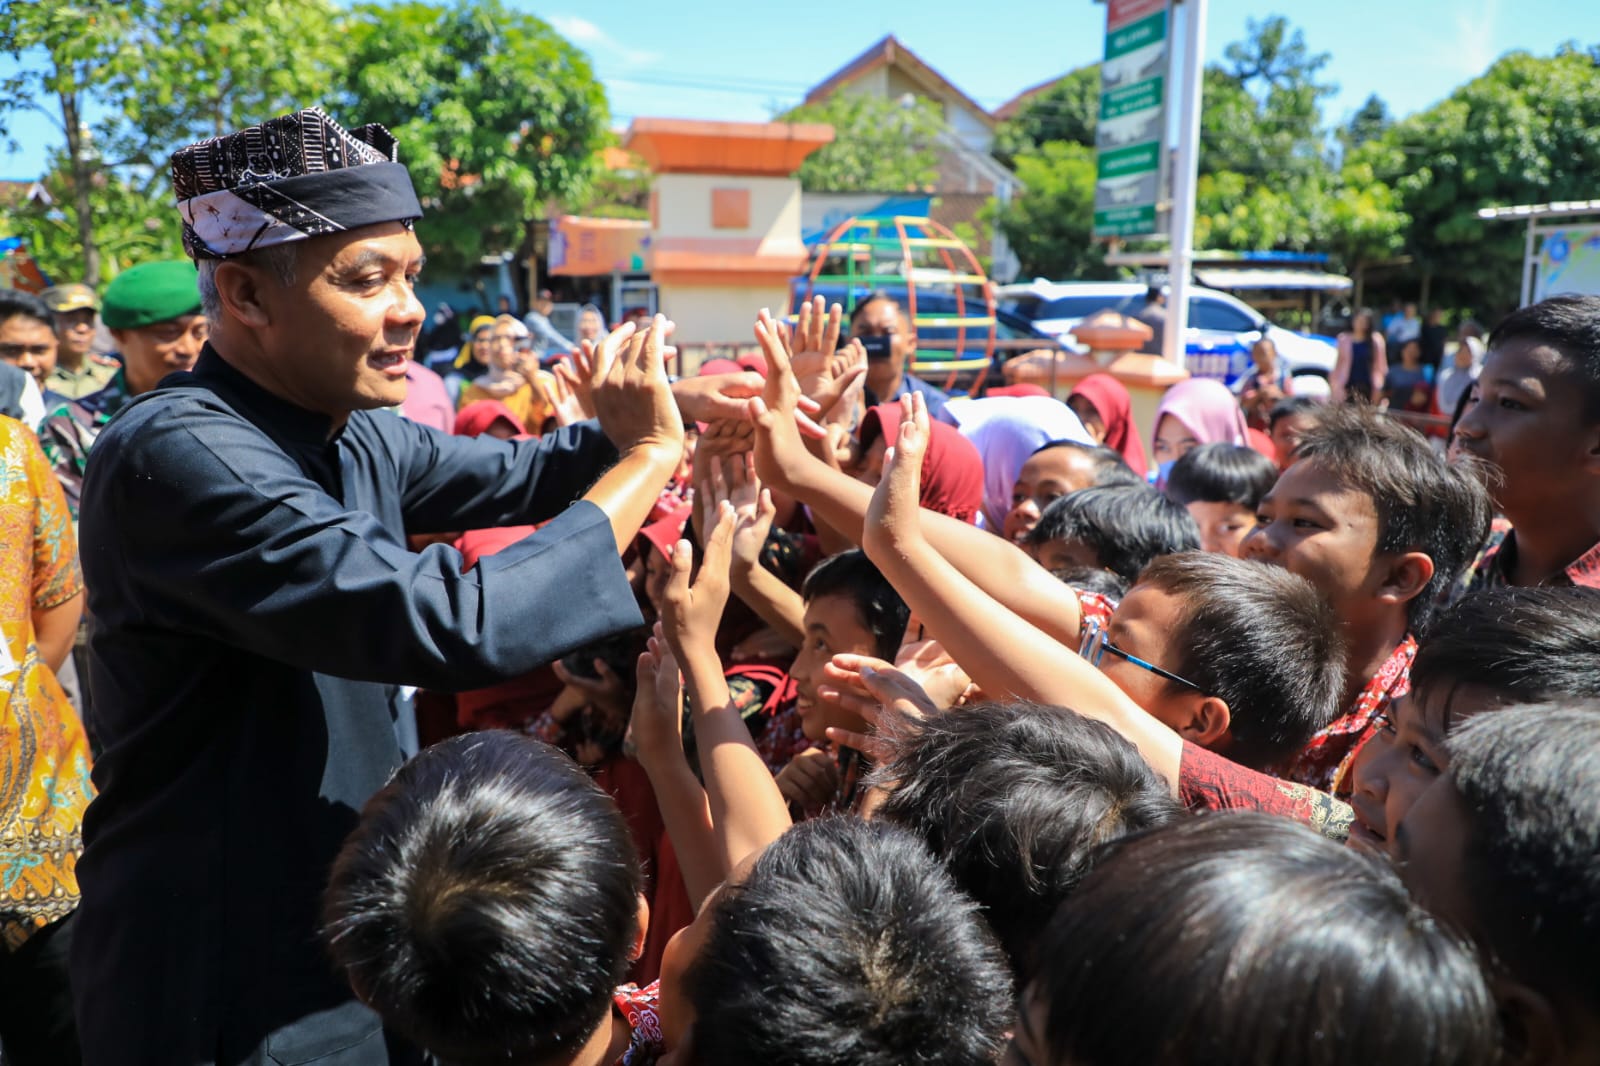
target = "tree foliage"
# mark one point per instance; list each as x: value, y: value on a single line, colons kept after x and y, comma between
x: 1526, y: 131
x: 878, y: 145
x: 1067, y: 111
x: 1048, y: 227
x: 497, y: 115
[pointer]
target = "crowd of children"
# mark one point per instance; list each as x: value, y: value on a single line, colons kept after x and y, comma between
x: 963, y: 733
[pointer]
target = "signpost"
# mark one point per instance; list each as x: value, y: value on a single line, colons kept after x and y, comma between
x: 1131, y: 135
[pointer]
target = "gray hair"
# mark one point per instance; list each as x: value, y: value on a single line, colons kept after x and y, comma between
x: 280, y: 259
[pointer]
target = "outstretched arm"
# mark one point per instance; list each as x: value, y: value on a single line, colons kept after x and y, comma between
x: 747, y: 810
x: 657, y: 728
x: 1004, y: 654
x: 1000, y: 568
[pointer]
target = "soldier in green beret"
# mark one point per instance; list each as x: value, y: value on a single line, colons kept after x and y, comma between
x: 153, y: 313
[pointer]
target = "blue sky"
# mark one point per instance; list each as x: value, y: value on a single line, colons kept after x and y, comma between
x: 741, y: 60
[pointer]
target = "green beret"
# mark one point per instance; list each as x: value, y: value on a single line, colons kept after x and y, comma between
x: 151, y: 293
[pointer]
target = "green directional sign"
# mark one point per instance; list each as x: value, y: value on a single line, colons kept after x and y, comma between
x: 1137, y: 35
x: 1127, y: 99
x: 1134, y: 159
x: 1131, y: 139
x: 1125, y: 221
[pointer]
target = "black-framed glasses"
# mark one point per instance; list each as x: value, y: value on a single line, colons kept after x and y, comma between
x: 1096, y: 643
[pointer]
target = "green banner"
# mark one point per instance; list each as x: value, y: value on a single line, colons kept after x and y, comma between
x: 1137, y: 35
x: 1125, y: 221
x: 1134, y: 159
x: 1139, y: 96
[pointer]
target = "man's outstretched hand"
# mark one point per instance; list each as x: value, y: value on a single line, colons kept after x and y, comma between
x: 629, y: 388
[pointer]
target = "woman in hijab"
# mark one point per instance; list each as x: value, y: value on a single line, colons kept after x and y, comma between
x: 472, y: 362
x: 489, y: 417
x: 1006, y: 430
x: 1103, y: 405
x: 1195, y: 412
x: 952, y: 473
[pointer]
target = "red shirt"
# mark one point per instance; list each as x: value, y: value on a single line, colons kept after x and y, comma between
x: 1209, y: 782
x: 1325, y: 762
x: 641, y: 1009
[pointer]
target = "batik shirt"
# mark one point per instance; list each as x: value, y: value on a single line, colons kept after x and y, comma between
x: 69, y: 431
x: 1325, y: 762
x: 1210, y: 782
x: 44, y: 781
x: 1493, y: 569
x: 641, y: 1009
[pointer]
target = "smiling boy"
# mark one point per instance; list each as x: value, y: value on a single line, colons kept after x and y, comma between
x: 1536, y: 424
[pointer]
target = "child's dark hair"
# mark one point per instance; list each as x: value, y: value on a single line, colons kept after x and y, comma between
x: 1126, y: 526
x: 851, y: 574
x: 1244, y: 937
x: 1288, y: 408
x: 1221, y: 473
x: 1087, y: 579
x: 486, y: 903
x: 1238, y: 622
x: 14, y: 302
x: 1423, y: 504
x: 1110, y: 468
x: 1529, y: 783
x: 847, y: 943
x: 1523, y: 645
x: 1569, y: 325
x: 1016, y: 798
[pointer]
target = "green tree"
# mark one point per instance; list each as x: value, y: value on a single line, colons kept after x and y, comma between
x: 64, y: 53
x: 132, y: 221
x: 1048, y: 225
x: 1526, y: 131
x: 1067, y: 111
x: 497, y: 116
x: 1369, y: 122
x: 878, y: 145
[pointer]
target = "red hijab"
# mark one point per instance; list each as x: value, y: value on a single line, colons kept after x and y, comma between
x: 1111, y: 402
x: 952, y: 472
x: 475, y: 419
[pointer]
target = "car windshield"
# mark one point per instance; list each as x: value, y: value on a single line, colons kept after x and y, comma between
x: 1084, y: 306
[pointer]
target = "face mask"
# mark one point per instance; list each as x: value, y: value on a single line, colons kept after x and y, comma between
x: 1158, y: 476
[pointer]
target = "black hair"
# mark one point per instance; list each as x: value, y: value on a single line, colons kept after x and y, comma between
x: 852, y: 575
x: 486, y: 903
x: 1571, y: 326
x: 847, y: 943
x: 1110, y: 468
x: 876, y: 296
x: 1244, y: 937
x: 1288, y: 408
x: 1261, y: 639
x: 1525, y: 645
x: 1126, y: 526
x: 1016, y: 798
x: 1093, y: 579
x: 1221, y: 473
x: 1529, y: 782
x: 15, y: 302
x: 1423, y: 503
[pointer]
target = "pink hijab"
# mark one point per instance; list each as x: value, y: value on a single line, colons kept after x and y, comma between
x: 1207, y: 409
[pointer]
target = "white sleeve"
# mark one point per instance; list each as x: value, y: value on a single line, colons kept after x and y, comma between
x: 32, y: 403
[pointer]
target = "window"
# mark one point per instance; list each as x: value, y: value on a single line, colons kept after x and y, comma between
x: 1084, y: 306
x: 1216, y: 315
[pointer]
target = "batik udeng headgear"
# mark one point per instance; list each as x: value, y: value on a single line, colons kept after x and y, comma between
x: 288, y: 179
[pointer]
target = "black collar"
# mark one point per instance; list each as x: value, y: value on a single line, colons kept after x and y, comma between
x: 285, y: 422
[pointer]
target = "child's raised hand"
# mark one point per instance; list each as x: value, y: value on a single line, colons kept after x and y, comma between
x: 691, y: 613
x: 810, y: 780
x: 777, y: 411
x: 893, y: 517
x: 753, y: 511
x: 656, y: 725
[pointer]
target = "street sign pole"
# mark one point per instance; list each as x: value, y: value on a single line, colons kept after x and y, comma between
x: 1183, y: 183
x: 1131, y: 135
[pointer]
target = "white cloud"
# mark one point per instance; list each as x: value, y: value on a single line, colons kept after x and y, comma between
x: 1473, y: 46
x: 598, y: 42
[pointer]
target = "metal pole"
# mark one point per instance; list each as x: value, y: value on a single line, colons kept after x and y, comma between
x: 1183, y: 183
x: 1527, y: 266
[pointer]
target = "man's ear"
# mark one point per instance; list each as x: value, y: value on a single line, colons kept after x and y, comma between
x: 1208, y: 723
x: 1591, y: 453
x: 1404, y: 577
x: 1532, y: 1030
x: 643, y: 930
x: 240, y: 291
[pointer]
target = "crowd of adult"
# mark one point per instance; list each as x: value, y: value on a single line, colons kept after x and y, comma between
x: 537, y: 707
